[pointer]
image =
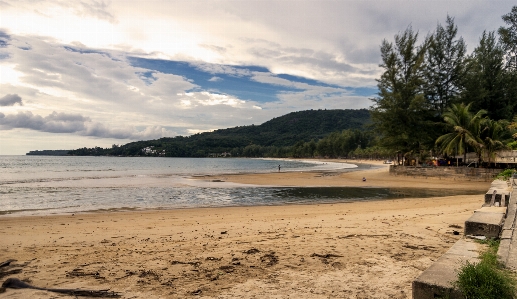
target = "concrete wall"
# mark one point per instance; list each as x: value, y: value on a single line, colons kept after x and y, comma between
x: 445, y: 172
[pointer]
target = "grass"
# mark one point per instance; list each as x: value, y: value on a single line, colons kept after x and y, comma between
x: 505, y: 174
x: 487, y: 279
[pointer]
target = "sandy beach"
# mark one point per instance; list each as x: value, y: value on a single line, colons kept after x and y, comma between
x: 349, y: 250
x: 375, y: 172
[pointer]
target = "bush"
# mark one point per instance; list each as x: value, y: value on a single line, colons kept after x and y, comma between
x: 486, y: 279
x: 505, y: 174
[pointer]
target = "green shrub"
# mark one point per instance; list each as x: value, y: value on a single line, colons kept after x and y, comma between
x: 505, y: 174
x: 486, y: 279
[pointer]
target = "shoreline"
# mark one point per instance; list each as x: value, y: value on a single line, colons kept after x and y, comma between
x: 362, y: 249
x: 375, y: 171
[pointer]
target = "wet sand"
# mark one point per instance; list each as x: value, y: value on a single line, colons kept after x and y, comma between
x: 350, y: 250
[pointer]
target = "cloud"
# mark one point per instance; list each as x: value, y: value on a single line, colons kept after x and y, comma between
x: 77, y: 124
x: 220, y: 50
x: 211, y: 99
x: 98, y: 9
x: 215, y: 79
x: 102, y: 131
x: 53, y: 123
x: 213, y: 68
x: 4, y: 39
x: 10, y: 100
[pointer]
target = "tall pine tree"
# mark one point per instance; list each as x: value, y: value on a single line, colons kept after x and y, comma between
x: 445, y: 66
x: 400, y: 111
x: 508, y: 37
x: 486, y: 81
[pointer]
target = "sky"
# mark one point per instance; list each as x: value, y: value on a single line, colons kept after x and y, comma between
x: 96, y: 73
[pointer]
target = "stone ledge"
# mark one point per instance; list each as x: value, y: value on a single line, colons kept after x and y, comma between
x: 504, y: 251
x: 486, y: 224
x: 436, y: 281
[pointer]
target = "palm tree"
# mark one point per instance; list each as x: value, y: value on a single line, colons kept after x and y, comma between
x: 465, y: 129
x: 492, y: 134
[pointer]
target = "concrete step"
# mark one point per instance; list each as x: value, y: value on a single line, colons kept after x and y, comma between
x: 487, y: 221
x: 436, y: 281
x: 499, y: 192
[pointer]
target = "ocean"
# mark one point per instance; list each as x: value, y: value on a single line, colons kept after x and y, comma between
x: 46, y: 185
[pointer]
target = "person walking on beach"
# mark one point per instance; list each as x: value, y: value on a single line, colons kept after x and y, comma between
x: 279, y: 168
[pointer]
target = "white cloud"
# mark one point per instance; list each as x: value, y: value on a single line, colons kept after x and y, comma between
x: 215, y: 79
x: 222, y: 69
x: 210, y: 99
x: 8, y: 74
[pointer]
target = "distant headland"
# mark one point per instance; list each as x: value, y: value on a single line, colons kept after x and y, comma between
x: 48, y: 153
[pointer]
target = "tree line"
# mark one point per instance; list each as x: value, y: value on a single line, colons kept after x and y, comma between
x: 435, y: 98
x: 345, y: 144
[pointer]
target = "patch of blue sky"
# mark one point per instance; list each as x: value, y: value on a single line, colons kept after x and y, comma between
x: 359, y: 91
x: 234, y: 81
x: 147, y: 77
x: 305, y: 80
x: 230, y: 80
x: 251, y: 68
x: 364, y: 91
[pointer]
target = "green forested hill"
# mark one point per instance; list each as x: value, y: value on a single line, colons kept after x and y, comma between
x: 274, y: 134
x: 296, y: 126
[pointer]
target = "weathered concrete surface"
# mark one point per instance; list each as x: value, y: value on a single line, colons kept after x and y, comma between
x: 507, y: 253
x: 436, y: 281
x: 501, y: 190
x: 500, y: 210
x: 484, y: 224
x: 506, y: 234
x: 501, y: 197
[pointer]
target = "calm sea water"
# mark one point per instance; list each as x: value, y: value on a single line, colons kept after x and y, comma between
x: 43, y: 185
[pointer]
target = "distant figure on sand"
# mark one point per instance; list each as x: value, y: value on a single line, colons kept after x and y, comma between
x: 278, y: 168
x: 364, y: 179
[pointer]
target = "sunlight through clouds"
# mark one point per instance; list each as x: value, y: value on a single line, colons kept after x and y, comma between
x: 8, y: 74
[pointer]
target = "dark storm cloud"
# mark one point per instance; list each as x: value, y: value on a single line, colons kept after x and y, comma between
x: 10, y: 100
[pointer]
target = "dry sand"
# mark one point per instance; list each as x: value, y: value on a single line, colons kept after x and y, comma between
x: 349, y: 250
